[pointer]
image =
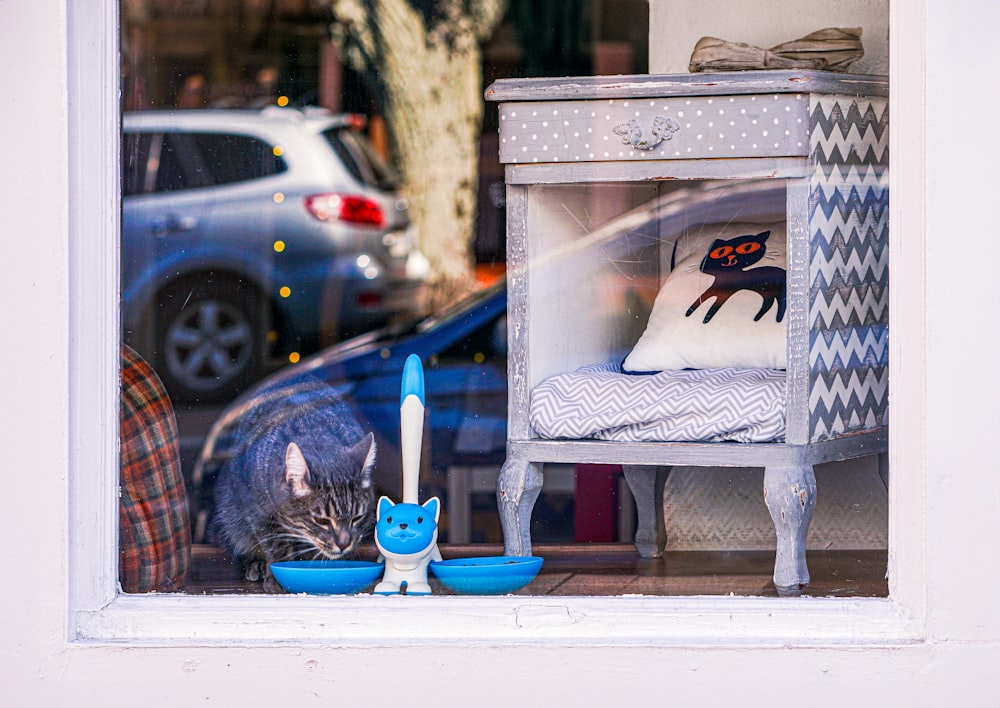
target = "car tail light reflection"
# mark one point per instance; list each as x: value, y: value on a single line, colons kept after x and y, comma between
x: 345, y: 207
x: 369, y: 300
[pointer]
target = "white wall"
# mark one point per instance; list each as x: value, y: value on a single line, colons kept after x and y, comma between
x: 677, y: 25
x: 947, y: 509
x: 34, y: 326
x: 963, y: 318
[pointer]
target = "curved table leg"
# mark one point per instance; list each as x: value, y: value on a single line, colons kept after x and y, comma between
x: 518, y: 487
x: 646, y: 483
x: 790, y: 495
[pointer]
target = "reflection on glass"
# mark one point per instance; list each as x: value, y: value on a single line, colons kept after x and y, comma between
x: 266, y: 245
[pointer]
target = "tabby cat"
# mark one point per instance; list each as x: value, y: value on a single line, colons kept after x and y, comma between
x: 298, y: 484
x: 728, y: 260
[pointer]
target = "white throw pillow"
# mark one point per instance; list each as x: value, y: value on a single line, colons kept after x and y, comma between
x: 722, y: 305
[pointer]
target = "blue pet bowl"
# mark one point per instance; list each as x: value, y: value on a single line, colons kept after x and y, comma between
x: 326, y: 577
x: 488, y: 575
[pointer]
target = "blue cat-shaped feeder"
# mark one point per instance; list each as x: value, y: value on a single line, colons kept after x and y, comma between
x: 406, y: 533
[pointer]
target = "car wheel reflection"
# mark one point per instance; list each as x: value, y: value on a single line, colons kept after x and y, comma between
x: 209, y: 343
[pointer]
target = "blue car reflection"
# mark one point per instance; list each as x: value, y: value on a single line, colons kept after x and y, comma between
x: 464, y: 354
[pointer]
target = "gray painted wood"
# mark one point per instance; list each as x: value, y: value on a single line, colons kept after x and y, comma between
x: 790, y: 496
x: 517, y: 314
x: 518, y: 487
x: 646, y: 484
x: 797, y: 313
x: 706, y: 454
x: 648, y: 129
x: 651, y: 85
x: 615, y: 171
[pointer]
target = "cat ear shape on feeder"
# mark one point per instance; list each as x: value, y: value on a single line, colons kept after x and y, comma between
x: 433, y: 505
x: 365, y: 450
x: 296, y: 470
x: 384, y: 505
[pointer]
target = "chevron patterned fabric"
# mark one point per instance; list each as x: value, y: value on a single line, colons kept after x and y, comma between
x: 710, y: 405
x: 848, y: 269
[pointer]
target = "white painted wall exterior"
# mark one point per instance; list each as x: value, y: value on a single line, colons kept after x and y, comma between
x: 936, y: 642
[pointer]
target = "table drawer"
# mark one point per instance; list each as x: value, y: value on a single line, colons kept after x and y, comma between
x: 636, y: 129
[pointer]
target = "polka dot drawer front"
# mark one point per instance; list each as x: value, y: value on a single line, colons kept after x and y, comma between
x: 771, y: 125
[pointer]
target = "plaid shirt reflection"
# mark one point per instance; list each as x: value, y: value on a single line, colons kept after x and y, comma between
x: 154, y: 530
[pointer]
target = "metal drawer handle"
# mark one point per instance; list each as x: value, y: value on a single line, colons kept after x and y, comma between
x: 631, y: 133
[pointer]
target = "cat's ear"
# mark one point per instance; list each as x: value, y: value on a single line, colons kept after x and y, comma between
x: 296, y: 471
x: 365, y: 450
x: 384, y: 505
x: 762, y: 236
x: 433, y: 506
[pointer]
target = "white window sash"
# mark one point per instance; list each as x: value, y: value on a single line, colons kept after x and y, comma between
x: 98, y: 613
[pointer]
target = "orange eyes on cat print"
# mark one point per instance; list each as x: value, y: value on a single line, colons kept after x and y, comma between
x: 743, y: 249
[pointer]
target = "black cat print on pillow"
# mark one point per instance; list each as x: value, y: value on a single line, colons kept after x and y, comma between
x: 729, y: 262
x: 722, y: 305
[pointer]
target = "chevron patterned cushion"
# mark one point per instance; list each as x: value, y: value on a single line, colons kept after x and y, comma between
x: 675, y: 339
x: 711, y: 405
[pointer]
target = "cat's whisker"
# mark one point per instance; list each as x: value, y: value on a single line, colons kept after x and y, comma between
x: 308, y: 553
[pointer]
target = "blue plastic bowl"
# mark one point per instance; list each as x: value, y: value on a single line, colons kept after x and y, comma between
x: 326, y: 577
x: 488, y: 575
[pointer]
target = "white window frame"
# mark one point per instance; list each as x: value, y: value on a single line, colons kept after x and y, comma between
x: 99, y: 613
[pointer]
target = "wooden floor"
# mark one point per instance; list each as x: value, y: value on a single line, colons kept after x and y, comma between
x: 616, y: 569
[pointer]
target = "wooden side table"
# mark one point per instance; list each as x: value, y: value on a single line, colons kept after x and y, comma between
x: 585, y: 157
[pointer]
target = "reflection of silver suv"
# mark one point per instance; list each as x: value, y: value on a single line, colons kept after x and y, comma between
x: 253, y: 234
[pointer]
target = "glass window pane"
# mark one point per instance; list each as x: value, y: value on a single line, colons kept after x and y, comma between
x: 180, y: 165
x: 273, y: 273
x: 237, y: 158
x: 135, y: 161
